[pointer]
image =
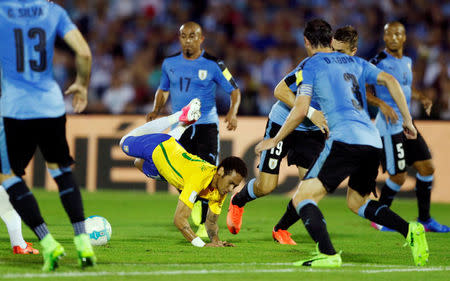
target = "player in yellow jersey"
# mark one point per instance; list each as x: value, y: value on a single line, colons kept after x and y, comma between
x: 160, y: 156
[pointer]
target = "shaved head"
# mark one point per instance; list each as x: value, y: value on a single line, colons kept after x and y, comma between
x: 191, y: 38
x: 394, y: 38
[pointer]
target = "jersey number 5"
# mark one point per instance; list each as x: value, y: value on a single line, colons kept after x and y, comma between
x: 35, y: 65
x: 355, y: 89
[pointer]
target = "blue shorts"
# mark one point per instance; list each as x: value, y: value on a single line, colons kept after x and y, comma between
x: 143, y: 147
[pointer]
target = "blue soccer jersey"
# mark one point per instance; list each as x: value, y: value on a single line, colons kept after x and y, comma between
x: 280, y: 110
x: 27, y: 34
x: 187, y: 79
x: 401, y: 70
x: 337, y: 81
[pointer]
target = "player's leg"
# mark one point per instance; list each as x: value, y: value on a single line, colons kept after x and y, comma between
x: 420, y: 157
x: 14, y: 226
x: 188, y: 115
x: 53, y: 145
x: 307, y: 147
x: 17, y: 138
x: 289, y: 218
x: 264, y: 183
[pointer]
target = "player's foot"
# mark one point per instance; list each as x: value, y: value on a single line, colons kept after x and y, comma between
x: 52, y: 252
x: 283, y: 237
x: 322, y: 260
x: 191, y: 112
x: 234, y: 217
x: 29, y: 250
x: 196, y: 213
x: 86, y: 256
x: 417, y: 241
x: 381, y: 227
x: 201, y: 231
x: 433, y: 226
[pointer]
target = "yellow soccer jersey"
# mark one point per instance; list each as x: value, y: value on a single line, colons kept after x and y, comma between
x: 188, y: 173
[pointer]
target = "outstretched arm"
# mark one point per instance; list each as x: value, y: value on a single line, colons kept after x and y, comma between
x: 160, y: 100
x: 231, y: 117
x: 388, y: 112
x: 424, y: 99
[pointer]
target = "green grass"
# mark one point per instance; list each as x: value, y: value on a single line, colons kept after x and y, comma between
x: 146, y: 246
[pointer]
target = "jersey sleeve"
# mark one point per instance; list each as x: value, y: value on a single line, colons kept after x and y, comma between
x: 65, y: 24
x: 189, y: 194
x: 164, y: 82
x: 307, y: 76
x: 370, y: 72
x: 294, y: 79
x: 224, y: 78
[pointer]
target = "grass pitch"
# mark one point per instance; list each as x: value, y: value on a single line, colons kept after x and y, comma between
x: 145, y: 244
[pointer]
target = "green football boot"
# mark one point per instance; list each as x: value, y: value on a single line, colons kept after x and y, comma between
x: 86, y: 256
x: 321, y: 260
x: 418, y: 243
x: 52, y: 252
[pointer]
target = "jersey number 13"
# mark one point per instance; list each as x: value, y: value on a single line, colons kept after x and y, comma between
x: 35, y: 65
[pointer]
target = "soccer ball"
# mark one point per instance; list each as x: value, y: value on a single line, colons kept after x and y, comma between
x: 98, y: 229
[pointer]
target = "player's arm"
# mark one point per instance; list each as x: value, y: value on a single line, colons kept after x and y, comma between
x: 161, y: 97
x: 397, y: 94
x: 388, y: 112
x: 424, y: 99
x: 296, y: 116
x: 284, y: 94
x: 182, y: 214
x: 83, y: 64
x: 231, y: 117
x: 212, y: 228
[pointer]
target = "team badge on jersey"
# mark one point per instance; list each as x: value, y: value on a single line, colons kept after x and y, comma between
x: 273, y: 163
x: 202, y: 73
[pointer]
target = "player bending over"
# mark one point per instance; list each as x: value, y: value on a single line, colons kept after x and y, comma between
x: 160, y: 156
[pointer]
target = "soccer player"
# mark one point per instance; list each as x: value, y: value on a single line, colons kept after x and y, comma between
x: 33, y: 115
x: 302, y: 147
x: 14, y: 225
x: 352, y: 149
x: 194, y: 73
x: 160, y: 156
x: 399, y: 151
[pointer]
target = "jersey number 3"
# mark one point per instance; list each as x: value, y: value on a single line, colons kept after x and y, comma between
x: 35, y: 65
x: 355, y: 89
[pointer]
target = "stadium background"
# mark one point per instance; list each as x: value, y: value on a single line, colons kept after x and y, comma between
x: 260, y: 42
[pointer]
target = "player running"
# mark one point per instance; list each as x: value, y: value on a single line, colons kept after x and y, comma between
x: 400, y: 152
x: 194, y: 73
x: 337, y: 81
x: 301, y: 147
x: 33, y: 115
x: 160, y: 156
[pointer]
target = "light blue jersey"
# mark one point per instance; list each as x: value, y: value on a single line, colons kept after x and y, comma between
x: 401, y: 70
x: 27, y: 34
x: 187, y: 79
x: 337, y: 81
x: 280, y: 110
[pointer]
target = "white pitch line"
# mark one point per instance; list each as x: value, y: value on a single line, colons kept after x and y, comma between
x: 206, y: 271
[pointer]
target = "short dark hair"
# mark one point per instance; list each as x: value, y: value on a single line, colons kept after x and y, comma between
x: 234, y: 163
x: 319, y: 33
x: 347, y: 34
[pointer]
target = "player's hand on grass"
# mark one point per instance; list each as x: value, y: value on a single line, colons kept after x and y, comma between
x: 427, y: 104
x: 265, y: 145
x: 231, y: 120
x: 319, y: 120
x: 410, y: 130
x: 389, y: 113
x: 226, y: 244
x: 79, y: 100
x: 151, y: 116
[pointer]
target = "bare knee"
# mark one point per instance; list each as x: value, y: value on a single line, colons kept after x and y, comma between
x: 311, y: 189
x: 355, y: 200
x: 398, y: 178
x: 264, y: 184
x: 425, y: 168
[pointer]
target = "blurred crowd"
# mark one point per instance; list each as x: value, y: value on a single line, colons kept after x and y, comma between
x: 260, y: 41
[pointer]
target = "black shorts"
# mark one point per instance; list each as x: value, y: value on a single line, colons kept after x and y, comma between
x: 202, y: 140
x: 301, y: 147
x: 22, y: 137
x: 400, y: 152
x: 339, y: 160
